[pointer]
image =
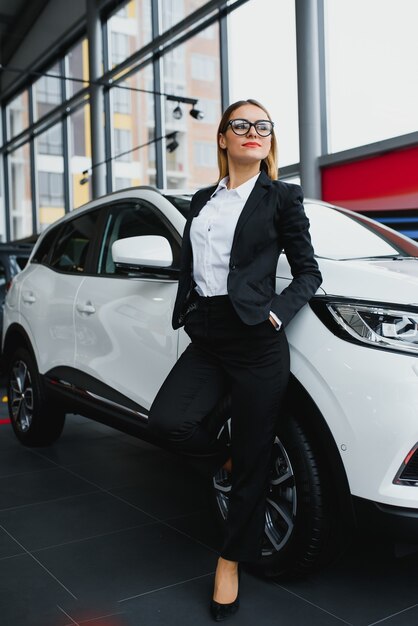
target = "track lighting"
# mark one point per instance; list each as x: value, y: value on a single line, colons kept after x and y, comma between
x: 170, y: 147
x: 174, y: 144
x: 177, y: 112
x: 198, y: 115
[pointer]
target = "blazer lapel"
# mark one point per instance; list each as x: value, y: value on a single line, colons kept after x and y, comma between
x: 204, y: 196
x: 260, y: 190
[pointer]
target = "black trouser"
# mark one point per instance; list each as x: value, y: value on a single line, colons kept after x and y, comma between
x: 252, y: 364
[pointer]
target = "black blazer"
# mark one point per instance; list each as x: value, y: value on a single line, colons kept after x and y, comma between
x: 272, y: 220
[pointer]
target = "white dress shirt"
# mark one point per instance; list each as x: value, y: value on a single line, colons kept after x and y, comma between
x: 211, y: 236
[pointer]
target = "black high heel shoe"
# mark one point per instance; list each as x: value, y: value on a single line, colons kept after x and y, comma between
x: 219, y: 611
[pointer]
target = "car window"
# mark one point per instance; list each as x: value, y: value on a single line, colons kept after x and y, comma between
x: 341, y: 235
x: 43, y: 249
x: 131, y: 220
x: 70, y: 250
x: 21, y: 261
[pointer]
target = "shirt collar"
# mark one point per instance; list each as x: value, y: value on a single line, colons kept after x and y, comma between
x: 243, y: 190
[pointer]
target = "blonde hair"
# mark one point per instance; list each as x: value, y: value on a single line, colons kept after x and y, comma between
x: 269, y: 164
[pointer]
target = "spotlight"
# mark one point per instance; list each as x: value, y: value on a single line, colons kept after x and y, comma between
x: 172, y: 146
x: 198, y: 115
x: 177, y: 112
x: 84, y: 180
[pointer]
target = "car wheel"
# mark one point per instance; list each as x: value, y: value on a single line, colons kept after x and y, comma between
x: 298, y: 508
x: 34, y: 422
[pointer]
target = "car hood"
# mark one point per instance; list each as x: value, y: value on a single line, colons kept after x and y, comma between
x: 387, y: 280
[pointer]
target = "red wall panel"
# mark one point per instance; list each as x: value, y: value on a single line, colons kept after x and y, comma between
x: 384, y: 182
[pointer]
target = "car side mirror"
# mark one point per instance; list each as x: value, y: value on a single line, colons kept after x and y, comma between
x: 143, y: 253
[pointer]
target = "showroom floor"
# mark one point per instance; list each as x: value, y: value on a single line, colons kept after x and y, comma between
x: 106, y: 530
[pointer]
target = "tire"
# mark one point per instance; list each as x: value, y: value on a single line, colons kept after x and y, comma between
x: 299, y: 511
x: 34, y: 421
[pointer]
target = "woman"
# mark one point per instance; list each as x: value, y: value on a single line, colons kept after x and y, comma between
x: 227, y: 302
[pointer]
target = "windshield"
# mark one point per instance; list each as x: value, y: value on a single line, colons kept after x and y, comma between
x: 340, y: 234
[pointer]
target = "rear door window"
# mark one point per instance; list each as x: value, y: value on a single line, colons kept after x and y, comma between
x: 73, y: 244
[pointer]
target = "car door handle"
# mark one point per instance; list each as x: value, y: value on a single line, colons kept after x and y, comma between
x: 87, y: 307
x: 29, y: 298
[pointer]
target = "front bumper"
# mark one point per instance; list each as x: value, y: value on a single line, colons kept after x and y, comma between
x: 397, y: 522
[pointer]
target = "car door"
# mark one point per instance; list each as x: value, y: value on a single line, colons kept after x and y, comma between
x: 124, y: 336
x: 49, y: 288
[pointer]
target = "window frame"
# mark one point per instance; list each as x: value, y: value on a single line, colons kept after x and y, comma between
x: 159, y: 274
x: 92, y: 250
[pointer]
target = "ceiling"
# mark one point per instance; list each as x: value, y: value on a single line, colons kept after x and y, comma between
x: 16, y: 18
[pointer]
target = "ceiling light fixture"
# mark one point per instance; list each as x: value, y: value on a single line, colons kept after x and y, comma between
x: 177, y: 112
x: 174, y: 144
x: 196, y: 113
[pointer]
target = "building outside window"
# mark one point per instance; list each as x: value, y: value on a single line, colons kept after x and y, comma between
x: 173, y: 11
x: 17, y: 114
x: 120, y: 48
x: 121, y: 99
x: 50, y: 172
x: 51, y: 189
x: 205, y: 154
x: 77, y: 67
x: 20, y: 193
x: 123, y: 144
x: 132, y: 129
x: 129, y: 29
x: 200, y: 79
x: 50, y: 142
x: 47, y: 92
x: 203, y: 67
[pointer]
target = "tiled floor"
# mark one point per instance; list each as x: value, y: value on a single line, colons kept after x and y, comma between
x: 105, y: 530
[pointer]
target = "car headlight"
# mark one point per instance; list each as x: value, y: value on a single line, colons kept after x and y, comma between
x: 376, y: 324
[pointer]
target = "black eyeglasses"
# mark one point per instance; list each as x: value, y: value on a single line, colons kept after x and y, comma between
x: 264, y: 128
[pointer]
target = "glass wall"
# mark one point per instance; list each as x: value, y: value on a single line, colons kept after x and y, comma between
x: 133, y: 127
x: 77, y: 67
x: 47, y: 92
x: 129, y: 29
x: 50, y: 171
x: 80, y: 156
x: 173, y: 11
x: 371, y: 50
x: 17, y: 114
x: 193, y: 70
x: 262, y: 65
x: 20, y: 193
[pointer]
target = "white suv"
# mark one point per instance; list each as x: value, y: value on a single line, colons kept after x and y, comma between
x: 87, y: 329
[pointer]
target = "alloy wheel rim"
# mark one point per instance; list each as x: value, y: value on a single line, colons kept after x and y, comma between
x: 281, y: 503
x: 21, y: 396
